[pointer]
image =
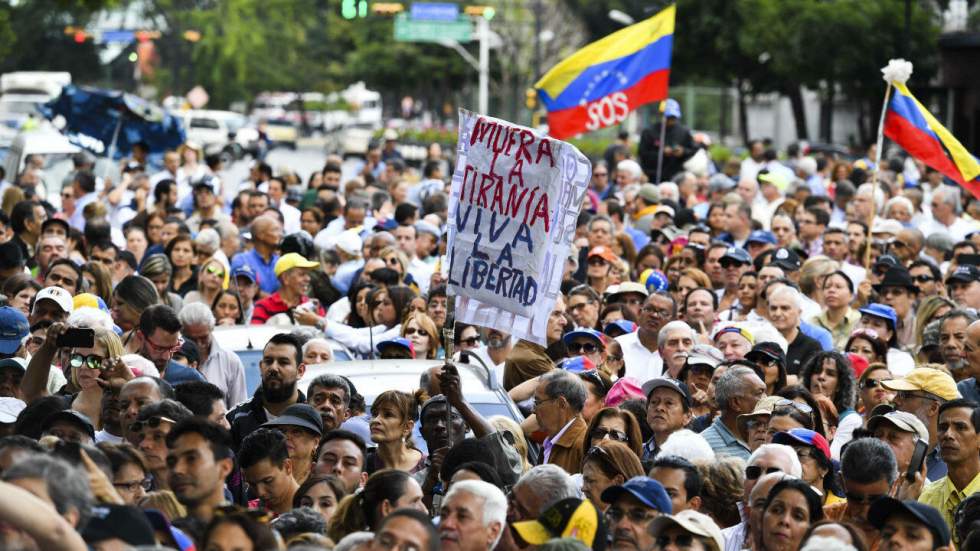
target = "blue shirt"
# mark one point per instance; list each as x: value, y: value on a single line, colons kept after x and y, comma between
x: 935, y: 466
x: 178, y: 373
x: 640, y: 239
x: 724, y: 442
x: 818, y: 334
x: 265, y: 272
x: 968, y: 389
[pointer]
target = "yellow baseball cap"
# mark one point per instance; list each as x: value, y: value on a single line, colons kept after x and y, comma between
x: 926, y: 379
x: 289, y: 261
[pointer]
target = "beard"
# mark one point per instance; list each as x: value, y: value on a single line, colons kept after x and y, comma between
x: 278, y: 390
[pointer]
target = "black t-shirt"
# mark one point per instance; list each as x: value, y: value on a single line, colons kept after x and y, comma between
x: 800, y: 351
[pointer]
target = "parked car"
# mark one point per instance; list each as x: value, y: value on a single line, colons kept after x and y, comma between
x: 282, y: 132
x: 372, y: 377
x: 248, y: 341
x: 57, y: 152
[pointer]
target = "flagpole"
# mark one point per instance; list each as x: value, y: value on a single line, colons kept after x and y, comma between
x: 663, y: 136
x: 874, y: 173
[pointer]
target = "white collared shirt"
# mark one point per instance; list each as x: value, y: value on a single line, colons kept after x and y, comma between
x: 641, y: 364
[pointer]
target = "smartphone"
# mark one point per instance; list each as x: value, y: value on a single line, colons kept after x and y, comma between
x: 965, y: 259
x: 77, y: 337
x: 915, y: 464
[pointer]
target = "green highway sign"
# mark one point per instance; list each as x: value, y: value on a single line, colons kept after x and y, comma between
x: 427, y: 30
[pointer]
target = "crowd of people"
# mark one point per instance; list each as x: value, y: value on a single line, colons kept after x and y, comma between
x: 775, y: 353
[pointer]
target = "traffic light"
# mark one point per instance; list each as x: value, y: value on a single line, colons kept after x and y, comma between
x: 352, y: 9
x: 387, y: 8
x: 486, y: 12
x: 531, y: 99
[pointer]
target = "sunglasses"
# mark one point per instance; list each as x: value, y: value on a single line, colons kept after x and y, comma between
x: 580, y: 347
x: 412, y: 331
x: 923, y: 278
x: 593, y: 377
x: 597, y: 261
x: 753, y: 472
x: 471, y: 341
x: 92, y: 361
x: 681, y: 541
x: 215, y: 271
x: 868, y: 384
x: 613, y: 434
x: 151, y: 423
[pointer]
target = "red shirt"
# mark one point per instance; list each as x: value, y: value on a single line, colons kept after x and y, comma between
x: 273, y: 304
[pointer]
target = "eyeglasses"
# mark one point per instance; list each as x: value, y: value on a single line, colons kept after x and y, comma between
x: 862, y: 499
x: 753, y: 472
x: 215, y: 271
x: 152, y: 423
x: 92, y: 361
x: 636, y: 516
x: 599, y: 433
x: 656, y: 312
x: 597, y: 261
x: 538, y: 403
x: 470, y: 341
x: 681, y: 541
x: 923, y: 278
x: 582, y: 347
x: 134, y: 486
x: 163, y: 349
x: 579, y: 306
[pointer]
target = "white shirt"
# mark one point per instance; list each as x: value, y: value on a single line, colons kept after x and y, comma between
x: 899, y: 362
x: 77, y: 219
x: 641, y: 363
x: 224, y: 370
x: 291, y: 216
x: 750, y: 169
x: 957, y: 230
x: 421, y: 273
x: 104, y: 436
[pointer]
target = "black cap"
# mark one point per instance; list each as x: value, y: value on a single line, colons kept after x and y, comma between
x: 966, y: 273
x: 299, y: 415
x: 887, y: 261
x: 767, y: 351
x: 11, y: 255
x: 885, y: 507
x: 55, y: 222
x: 70, y: 416
x: 123, y: 522
x: 190, y: 351
x: 785, y: 259
x: 672, y: 384
x: 897, y: 276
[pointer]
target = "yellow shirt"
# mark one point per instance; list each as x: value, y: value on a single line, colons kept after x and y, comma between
x: 944, y: 496
x: 842, y: 332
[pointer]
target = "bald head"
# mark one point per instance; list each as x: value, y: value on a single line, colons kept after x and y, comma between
x: 972, y: 346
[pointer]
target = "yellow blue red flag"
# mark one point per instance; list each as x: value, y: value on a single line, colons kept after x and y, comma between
x: 910, y: 125
x: 600, y: 84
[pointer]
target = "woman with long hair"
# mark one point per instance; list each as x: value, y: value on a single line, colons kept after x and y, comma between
x: 746, y: 296
x: 359, y: 315
x: 157, y: 269
x: 717, y: 221
x: 383, y: 492
x: 99, y: 280
x: 813, y: 452
x: 829, y: 374
x: 129, y: 470
x: 322, y: 494
x: 131, y: 296
x: 180, y: 252
x: 385, y: 308
x: 227, y: 308
x: 649, y: 257
x: 792, y: 506
x: 872, y: 392
x: 930, y: 308
x: 868, y: 344
x: 688, y: 280
x: 20, y: 290
x: 393, y: 416
x: 212, y: 278
x: 797, y: 409
x: 136, y: 241
x: 608, y: 463
x: 421, y: 330
x: 154, y: 229
x: 614, y: 424
x: 311, y: 220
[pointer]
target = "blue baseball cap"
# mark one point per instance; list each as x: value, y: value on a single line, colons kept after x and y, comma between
x: 577, y: 364
x: 882, y: 311
x: 761, y: 236
x: 654, y: 280
x: 397, y: 341
x: 13, y: 329
x: 645, y: 489
x: 738, y: 254
x: 672, y: 108
x: 584, y: 332
x: 626, y: 326
x: 244, y: 271
x: 803, y: 436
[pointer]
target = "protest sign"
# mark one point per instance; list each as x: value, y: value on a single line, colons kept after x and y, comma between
x: 515, y: 201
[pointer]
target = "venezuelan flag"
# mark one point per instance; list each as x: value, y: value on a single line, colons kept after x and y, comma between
x: 600, y: 84
x: 912, y: 127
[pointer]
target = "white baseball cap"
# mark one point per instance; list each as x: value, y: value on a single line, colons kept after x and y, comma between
x: 60, y: 296
x: 10, y: 408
